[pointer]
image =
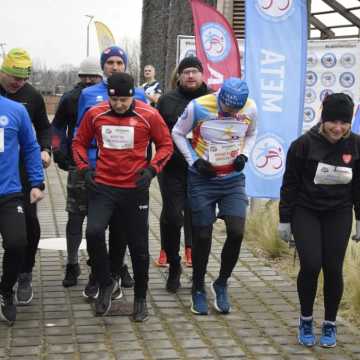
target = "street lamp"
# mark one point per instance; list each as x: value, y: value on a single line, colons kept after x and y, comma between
x: 2, y: 49
x: 87, y: 33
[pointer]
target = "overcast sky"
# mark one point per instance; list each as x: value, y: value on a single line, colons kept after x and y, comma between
x: 54, y: 31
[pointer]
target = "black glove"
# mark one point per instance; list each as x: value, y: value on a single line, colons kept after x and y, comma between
x: 89, y: 179
x: 145, y: 176
x: 204, y: 168
x: 62, y: 161
x: 239, y: 162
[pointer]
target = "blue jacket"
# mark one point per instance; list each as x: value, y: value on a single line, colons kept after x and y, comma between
x: 89, y: 97
x: 17, y: 134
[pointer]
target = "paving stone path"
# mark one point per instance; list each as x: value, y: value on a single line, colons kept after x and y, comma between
x: 60, y: 324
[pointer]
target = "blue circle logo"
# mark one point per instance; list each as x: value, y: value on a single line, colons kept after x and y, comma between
x: 328, y: 79
x: 309, y: 114
x: 328, y: 60
x: 215, y: 41
x: 311, y: 78
x: 347, y: 79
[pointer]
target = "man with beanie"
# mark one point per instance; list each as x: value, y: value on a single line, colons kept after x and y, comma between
x: 224, y: 132
x: 319, y: 191
x: 16, y: 135
x: 112, y: 60
x: 173, y: 179
x: 14, y: 73
x: 122, y: 128
x: 63, y: 127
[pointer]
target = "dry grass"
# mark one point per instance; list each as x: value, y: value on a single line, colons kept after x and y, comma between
x: 261, y: 236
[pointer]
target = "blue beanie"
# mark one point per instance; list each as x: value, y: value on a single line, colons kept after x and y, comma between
x: 234, y: 93
x: 113, y: 51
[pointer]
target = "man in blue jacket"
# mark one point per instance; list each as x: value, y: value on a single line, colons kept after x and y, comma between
x: 112, y: 60
x: 16, y: 135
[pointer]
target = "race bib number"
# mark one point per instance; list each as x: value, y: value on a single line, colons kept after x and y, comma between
x: 223, y: 154
x: 332, y: 175
x: 2, y: 141
x: 118, y: 137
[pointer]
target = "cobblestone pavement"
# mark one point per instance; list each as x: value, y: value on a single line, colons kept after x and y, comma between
x: 60, y: 324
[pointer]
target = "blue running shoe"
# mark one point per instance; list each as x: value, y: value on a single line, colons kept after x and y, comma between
x: 199, y: 305
x: 306, y: 335
x: 221, y: 301
x: 328, y: 335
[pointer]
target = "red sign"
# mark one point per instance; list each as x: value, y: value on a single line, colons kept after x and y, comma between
x: 216, y: 45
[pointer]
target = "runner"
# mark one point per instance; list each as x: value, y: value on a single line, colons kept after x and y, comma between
x: 63, y: 127
x: 320, y: 186
x: 14, y: 73
x: 175, y: 211
x: 123, y: 128
x: 16, y: 134
x: 112, y: 60
x: 224, y: 132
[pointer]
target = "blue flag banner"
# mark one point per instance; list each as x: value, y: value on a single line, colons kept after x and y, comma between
x: 275, y: 66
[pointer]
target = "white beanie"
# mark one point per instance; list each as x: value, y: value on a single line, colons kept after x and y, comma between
x: 90, y: 66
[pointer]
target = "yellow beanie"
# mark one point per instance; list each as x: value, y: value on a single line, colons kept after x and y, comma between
x: 17, y: 63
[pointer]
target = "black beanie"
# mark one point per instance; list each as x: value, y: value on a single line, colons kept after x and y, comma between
x: 188, y: 62
x: 338, y: 106
x: 120, y: 84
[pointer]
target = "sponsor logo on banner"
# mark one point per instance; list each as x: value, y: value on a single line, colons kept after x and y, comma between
x: 268, y: 156
x: 312, y: 60
x: 328, y: 79
x: 310, y: 96
x: 309, y: 114
x: 347, y: 60
x: 347, y: 79
x: 275, y: 10
x: 215, y: 41
x: 3, y: 120
x: 311, y: 78
x: 328, y: 60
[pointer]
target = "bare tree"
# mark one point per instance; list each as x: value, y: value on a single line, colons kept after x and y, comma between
x: 132, y: 48
x: 162, y: 21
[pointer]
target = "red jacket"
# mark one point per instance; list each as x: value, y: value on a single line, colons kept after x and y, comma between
x: 122, y: 142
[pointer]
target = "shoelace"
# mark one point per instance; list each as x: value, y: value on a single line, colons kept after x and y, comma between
x: 329, y: 330
x: 307, y: 328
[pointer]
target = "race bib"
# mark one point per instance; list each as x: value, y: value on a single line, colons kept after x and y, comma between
x: 223, y: 154
x: 118, y: 137
x: 2, y: 142
x: 332, y: 175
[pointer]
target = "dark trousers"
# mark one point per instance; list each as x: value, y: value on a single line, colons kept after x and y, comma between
x: 321, y: 240
x: 175, y: 213
x: 77, y: 207
x: 131, y: 209
x: 230, y: 252
x: 13, y: 232
x: 33, y: 234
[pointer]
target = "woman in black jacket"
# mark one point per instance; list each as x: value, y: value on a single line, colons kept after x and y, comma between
x: 320, y: 186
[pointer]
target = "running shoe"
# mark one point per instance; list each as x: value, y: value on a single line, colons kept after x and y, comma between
x: 328, y: 335
x: 306, y: 335
x: 161, y: 261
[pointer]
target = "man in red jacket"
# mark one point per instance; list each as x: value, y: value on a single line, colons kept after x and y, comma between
x: 123, y: 128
